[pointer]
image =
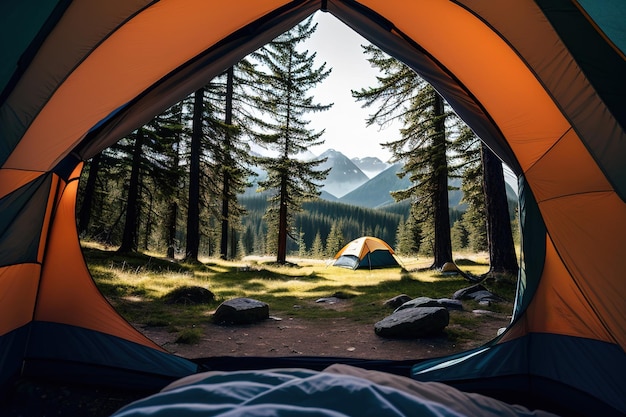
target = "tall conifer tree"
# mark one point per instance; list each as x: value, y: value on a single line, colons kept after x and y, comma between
x: 192, y: 244
x: 285, y: 76
x: 403, y: 96
x: 148, y: 151
x: 487, y: 218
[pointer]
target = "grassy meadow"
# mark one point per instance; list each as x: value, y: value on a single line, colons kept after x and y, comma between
x: 137, y: 286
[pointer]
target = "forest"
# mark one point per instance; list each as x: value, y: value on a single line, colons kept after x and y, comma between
x: 175, y: 186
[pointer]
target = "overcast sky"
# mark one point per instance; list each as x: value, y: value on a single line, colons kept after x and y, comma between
x: 339, y: 46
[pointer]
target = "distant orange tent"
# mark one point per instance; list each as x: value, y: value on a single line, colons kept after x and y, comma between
x: 366, y: 252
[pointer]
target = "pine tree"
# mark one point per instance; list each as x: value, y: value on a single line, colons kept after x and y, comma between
x: 229, y: 153
x: 108, y: 207
x: 281, y: 95
x: 487, y: 218
x: 219, y: 161
x: 502, y: 257
x: 192, y: 244
x: 474, y: 218
x: 423, y: 145
x: 174, y: 130
x: 88, y: 195
x: 317, y: 248
x: 301, y: 244
x: 335, y: 240
x: 408, y: 237
x: 149, y: 168
x: 460, y: 236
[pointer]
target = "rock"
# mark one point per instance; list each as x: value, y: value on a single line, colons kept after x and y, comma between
x: 465, y: 293
x: 328, y: 300
x: 189, y: 295
x: 241, y: 311
x: 487, y: 313
x: 450, y: 304
x: 482, y: 295
x: 397, y: 301
x: 478, y: 293
x: 419, y: 302
x: 413, y: 322
x: 429, y: 302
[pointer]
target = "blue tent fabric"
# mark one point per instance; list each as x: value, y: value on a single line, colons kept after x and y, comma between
x: 539, y: 366
x: 60, y: 351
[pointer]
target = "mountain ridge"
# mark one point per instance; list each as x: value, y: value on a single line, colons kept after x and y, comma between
x: 348, y: 183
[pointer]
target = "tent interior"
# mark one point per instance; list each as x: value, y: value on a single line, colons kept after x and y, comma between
x: 541, y: 82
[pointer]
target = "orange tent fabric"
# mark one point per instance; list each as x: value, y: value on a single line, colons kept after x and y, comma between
x: 540, y: 81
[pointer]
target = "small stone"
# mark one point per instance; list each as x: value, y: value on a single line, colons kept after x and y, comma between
x: 397, y: 301
x: 450, y: 304
x: 328, y: 300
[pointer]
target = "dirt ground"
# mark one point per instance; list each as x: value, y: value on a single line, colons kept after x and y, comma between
x: 285, y: 336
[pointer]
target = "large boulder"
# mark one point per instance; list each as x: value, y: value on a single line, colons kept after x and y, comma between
x: 241, y: 311
x: 413, y: 322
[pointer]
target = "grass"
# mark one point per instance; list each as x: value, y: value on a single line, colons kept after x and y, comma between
x: 137, y: 286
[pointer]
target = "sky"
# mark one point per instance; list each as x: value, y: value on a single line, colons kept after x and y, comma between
x: 346, y: 130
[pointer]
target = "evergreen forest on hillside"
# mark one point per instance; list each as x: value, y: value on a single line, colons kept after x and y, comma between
x: 177, y: 185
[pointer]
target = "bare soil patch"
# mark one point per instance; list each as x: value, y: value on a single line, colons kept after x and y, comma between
x: 336, y: 337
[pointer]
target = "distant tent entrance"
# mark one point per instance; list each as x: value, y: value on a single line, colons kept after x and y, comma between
x: 366, y: 252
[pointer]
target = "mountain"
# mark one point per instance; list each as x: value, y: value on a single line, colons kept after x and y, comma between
x: 348, y: 183
x: 375, y: 192
x: 344, y: 175
x: 370, y: 165
x: 325, y: 195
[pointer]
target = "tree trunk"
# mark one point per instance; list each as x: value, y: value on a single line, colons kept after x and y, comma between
x: 281, y: 256
x: 172, y: 214
x: 172, y: 211
x: 88, y: 194
x: 502, y: 257
x: 129, y: 236
x: 443, y: 242
x: 193, y: 211
x: 148, y: 224
x: 228, y: 120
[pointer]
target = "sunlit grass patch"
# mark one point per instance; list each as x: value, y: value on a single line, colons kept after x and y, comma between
x: 189, y: 336
x: 136, y: 286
